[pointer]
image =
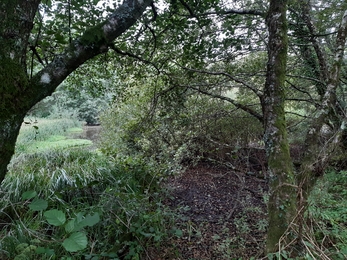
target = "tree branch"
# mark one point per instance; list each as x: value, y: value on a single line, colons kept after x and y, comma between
x: 320, y: 55
x: 232, y: 101
x: 129, y: 54
x: 254, y: 90
x: 226, y: 12
x: 92, y: 43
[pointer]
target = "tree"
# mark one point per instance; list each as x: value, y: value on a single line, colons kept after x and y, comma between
x: 282, y: 199
x: 19, y: 92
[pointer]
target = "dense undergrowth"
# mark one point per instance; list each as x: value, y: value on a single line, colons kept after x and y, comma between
x: 326, y: 224
x: 102, y: 208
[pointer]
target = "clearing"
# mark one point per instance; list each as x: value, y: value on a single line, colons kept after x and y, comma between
x: 223, y: 214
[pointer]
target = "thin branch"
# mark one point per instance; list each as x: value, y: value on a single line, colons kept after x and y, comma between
x: 129, y: 54
x: 256, y: 91
x: 155, y: 13
x: 232, y: 101
x: 155, y: 40
x: 35, y: 53
x: 305, y: 77
x: 69, y: 14
x: 312, y: 100
x: 192, y: 14
x: 320, y: 55
x: 296, y: 114
x: 230, y: 11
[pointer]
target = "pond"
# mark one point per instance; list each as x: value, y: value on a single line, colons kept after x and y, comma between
x: 90, y: 133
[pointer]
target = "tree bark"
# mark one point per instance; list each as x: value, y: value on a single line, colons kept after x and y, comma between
x: 18, y: 93
x: 282, y: 198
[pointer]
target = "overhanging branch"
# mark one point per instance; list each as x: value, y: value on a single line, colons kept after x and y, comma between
x: 232, y: 101
x: 92, y: 43
x: 253, y: 89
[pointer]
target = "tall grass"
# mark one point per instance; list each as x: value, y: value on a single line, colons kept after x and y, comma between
x: 123, y: 192
x: 39, y: 134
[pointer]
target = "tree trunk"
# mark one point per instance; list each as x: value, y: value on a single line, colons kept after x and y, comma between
x: 9, y: 129
x: 317, y: 157
x: 282, y: 199
x: 18, y: 93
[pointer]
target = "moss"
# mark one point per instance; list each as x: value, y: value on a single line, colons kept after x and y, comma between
x: 13, y: 81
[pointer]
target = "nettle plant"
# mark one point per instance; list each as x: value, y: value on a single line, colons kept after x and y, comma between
x: 72, y: 230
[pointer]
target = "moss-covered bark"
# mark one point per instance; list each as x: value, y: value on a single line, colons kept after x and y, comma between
x: 282, y: 200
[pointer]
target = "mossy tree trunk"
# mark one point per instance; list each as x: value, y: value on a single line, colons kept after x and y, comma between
x: 282, y: 199
x: 18, y: 92
x: 288, y: 195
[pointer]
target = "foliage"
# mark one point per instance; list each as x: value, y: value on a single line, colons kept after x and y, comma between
x: 328, y: 214
x: 176, y: 127
x: 67, y: 102
x: 40, y: 134
x: 77, y: 187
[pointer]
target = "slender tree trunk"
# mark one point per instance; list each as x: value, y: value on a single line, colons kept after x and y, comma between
x: 282, y: 199
x: 316, y: 157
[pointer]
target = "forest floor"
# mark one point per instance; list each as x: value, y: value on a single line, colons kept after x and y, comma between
x: 223, y: 214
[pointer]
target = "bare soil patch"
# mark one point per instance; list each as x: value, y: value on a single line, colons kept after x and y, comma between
x: 223, y: 214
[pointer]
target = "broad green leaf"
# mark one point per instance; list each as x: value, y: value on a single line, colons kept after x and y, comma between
x: 79, y: 216
x: 77, y: 241
x: 55, y: 217
x: 91, y: 220
x: 29, y: 195
x: 70, y: 226
x: 43, y: 250
x: 39, y: 204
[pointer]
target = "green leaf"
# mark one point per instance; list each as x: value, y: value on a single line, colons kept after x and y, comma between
x: 29, y: 195
x: 76, y: 242
x: 70, y: 226
x: 178, y: 233
x: 43, y: 250
x: 55, y: 217
x: 91, y: 220
x: 38, y: 204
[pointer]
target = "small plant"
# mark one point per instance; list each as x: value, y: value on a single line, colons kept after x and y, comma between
x: 74, y: 237
x: 327, y: 215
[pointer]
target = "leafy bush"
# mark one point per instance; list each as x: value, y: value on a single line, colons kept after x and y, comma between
x: 188, y: 130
